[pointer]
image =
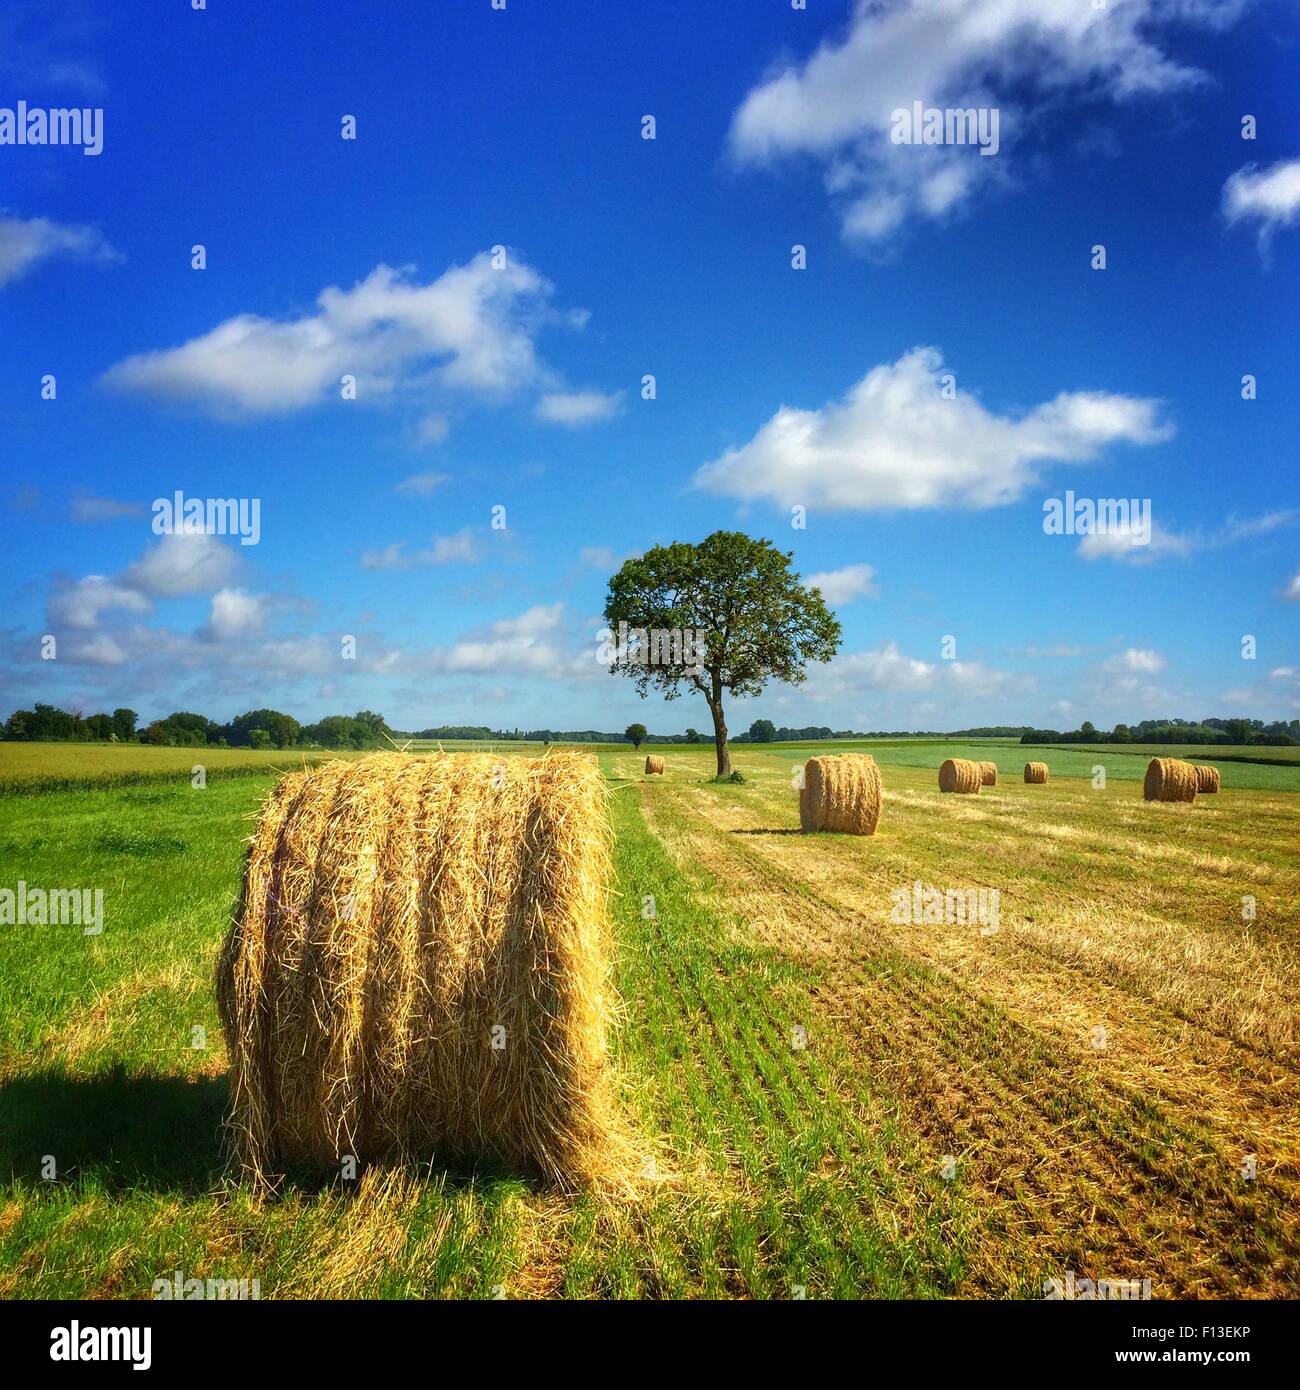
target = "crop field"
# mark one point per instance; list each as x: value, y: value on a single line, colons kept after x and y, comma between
x: 831, y: 1101
x: 460, y: 745
x: 62, y: 766
x: 1201, y: 752
x: 1256, y: 753
x: 1077, y: 760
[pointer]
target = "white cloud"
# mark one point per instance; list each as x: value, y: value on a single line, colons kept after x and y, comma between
x: 845, y: 584
x: 1283, y: 686
x: 1269, y: 196
x: 520, y: 646
x: 578, y: 407
x: 80, y: 604
x: 235, y: 614
x: 389, y: 558
x: 1141, y: 661
x: 1276, y: 694
x: 470, y: 329
x: 1292, y: 591
x: 433, y: 429
x: 25, y: 243
x: 894, y: 441
x: 103, y: 649
x: 1018, y: 56
x: 298, y: 656
x: 188, y: 562
x: 421, y: 484
x: 92, y: 509
x: 451, y: 550
x: 155, y: 662
x: 185, y: 562
x: 1117, y: 542
x: 460, y: 548
x: 1241, y: 529
x: 1126, y: 685
x: 887, y: 670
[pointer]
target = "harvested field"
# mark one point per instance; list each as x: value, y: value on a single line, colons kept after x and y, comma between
x: 833, y: 1100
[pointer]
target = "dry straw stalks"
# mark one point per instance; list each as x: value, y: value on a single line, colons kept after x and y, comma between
x: 1207, y: 779
x: 840, y: 792
x: 1169, y: 779
x: 988, y: 774
x: 960, y: 775
x: 1036, y: 773
x: 419, y: 968
x: 654, y: 765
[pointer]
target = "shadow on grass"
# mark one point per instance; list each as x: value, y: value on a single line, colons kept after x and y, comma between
x: 115, y: 1128
x: 121, y: 1130
x: 783, y: 831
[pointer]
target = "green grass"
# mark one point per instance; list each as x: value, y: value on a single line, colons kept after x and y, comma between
x: 1122, y: 762
x: 778, y: 1187
x: 46, y: 767
x: 816, y: 1168
x: 1115, y: 914
x: 1266, y: 754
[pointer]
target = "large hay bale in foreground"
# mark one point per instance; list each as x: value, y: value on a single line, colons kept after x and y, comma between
x: 654, y: 764
x: 1169, y: 779
x: 419, y: 967
x: 988, y: 774
x: 960, y: 775
x: 841, y: 792
x: 1036, y: 773
x: 1207, y: 779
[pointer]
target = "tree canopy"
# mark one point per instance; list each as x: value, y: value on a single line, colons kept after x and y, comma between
x: 722, y: 617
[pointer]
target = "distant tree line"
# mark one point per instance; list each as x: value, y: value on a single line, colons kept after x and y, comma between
x: 1233, y: 731
x: 764, y: 731
x: 259, y: 728
x: 470, y: 731
x: 269, y: 728
x: 992, y: 731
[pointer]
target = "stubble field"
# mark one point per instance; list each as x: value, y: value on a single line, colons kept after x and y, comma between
x: 834, y: 1102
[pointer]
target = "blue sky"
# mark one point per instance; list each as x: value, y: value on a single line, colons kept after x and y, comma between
x: 518, y: 384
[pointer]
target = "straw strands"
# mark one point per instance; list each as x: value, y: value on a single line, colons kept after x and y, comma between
x: 840, y: 792
x: 960, y: 775
x: 419, y: 968
x: 1169, y: 779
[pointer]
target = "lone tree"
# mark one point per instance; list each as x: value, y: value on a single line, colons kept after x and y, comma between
x: 724, y: 616
x: 635, y: 735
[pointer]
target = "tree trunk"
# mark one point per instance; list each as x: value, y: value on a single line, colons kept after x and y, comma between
x: 720, y: 736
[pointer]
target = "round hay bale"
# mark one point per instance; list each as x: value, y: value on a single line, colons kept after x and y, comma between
x: 654, y: 765
x: 1169, y: 779
x: 1207, y: 779
x: 840, y: 792
x: 960, y: 775
x: 1036, y: 772
x: 988, y: 774
x: 419, y: 967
